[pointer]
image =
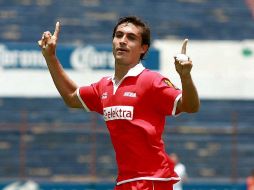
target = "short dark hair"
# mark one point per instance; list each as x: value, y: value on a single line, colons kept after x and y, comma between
x: 146, y: 39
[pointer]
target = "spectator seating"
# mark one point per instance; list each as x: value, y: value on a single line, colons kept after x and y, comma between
x: 54, y: 142
x: 89, y: 22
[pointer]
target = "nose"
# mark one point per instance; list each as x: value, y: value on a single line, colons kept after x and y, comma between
x: 123, y: 39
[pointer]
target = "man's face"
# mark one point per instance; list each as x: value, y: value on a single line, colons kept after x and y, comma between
x: 127, y: 46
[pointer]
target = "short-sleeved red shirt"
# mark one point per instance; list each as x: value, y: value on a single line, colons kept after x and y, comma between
x: 135, y: 111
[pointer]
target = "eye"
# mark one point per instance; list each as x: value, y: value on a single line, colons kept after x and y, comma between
x: 132, y: 37
x: 118, y: 34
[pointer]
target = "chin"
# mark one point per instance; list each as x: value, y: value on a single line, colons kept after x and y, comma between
x: 120, y: 58
x: 122, y: 62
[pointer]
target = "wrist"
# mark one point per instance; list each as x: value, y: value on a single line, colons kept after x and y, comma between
x: 185, y: 76
x: 50, y: 57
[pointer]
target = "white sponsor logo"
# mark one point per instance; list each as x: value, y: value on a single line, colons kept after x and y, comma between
x: 104, y: 95
x: 118, y: 112
x: 130, y: 94
x: 10, y: 58
x: 89, y: 58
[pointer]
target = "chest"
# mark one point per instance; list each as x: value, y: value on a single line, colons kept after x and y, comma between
x: 128, y: 93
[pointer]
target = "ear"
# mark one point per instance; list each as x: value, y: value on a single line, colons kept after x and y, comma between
x: 144, y: 48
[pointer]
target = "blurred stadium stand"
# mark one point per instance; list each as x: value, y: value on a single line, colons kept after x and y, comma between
x: 46, y: 142
x: 92, y: 21
x: 42, y: 139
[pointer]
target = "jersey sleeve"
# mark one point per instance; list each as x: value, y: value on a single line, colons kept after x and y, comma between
x: 166, y: 95
x: 89, y: 96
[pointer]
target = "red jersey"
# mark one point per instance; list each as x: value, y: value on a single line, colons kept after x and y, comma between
x: 135, y: 112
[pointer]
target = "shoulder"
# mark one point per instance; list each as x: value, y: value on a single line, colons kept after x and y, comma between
x: 149, y: 72
x: 157, y: 79
x: 103, y: 81
x: 150, y: 75
x: 106, y: 79
x: 146, y: 78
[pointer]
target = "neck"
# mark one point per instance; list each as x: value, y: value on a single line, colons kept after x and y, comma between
x: 121, y: 70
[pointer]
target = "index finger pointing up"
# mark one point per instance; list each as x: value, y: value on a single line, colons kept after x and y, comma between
x: 57, y: 30
x: 184, y: 46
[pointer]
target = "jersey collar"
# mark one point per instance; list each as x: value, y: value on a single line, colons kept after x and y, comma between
x: 133, y: 72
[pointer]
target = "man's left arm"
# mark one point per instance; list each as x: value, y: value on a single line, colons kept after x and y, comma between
x: 189, y: 102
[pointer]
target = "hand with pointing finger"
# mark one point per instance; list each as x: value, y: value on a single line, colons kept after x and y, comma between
x: 48, y: 42
x: 183, y: 64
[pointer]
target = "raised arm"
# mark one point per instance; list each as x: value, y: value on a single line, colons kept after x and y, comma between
x: 189, y: 102
x: 65, y: 86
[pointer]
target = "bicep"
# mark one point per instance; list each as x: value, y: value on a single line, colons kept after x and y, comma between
x: 76, y: 101
x: 73, y: 100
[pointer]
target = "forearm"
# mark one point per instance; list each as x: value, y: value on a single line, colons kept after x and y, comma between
x: 65, y: 86
x: 190, y: 98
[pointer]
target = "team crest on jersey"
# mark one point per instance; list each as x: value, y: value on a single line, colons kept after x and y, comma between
x: 118, y: 112
x: 169, y: 83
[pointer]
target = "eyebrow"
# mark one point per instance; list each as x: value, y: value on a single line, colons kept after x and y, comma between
x: 128, y: 33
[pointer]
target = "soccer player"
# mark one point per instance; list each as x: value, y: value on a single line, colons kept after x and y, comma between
x: 250, y: 181
x: 180, y: 170
x: 134, y: 103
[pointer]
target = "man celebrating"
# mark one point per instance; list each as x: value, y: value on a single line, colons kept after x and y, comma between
x: 134, y: 103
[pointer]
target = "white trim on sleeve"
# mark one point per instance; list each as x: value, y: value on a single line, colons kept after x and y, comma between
x: 175, y: 105
x: 82, y: 102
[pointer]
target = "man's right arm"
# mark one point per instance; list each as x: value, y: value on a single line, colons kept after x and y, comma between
x: 65, y: 86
